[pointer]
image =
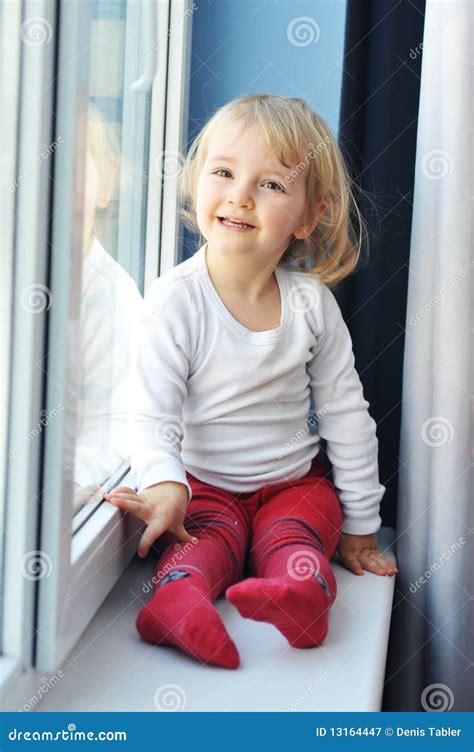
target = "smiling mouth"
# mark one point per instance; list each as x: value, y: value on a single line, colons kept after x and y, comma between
x: 235, y: 223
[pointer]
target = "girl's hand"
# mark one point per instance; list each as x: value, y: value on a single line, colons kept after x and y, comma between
x: 162, y: 507
x: 359, y: 552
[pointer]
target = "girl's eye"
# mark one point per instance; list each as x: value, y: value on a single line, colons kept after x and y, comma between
x: 279, y: 188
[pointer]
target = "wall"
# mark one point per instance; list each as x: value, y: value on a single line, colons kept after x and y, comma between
x: 287, y: 47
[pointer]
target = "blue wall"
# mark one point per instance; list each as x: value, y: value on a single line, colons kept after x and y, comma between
x: 265, y: 46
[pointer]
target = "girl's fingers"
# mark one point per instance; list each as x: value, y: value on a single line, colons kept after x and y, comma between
x: 144, y: 546
x: 151, y: 534
x: 376, y: 562
x: 130, y: 505
x: 386, y: 564
x: 124, y: 489
x: 370, y: 562
x: 373, y: 561
x: 183, y: 535
x: 121, y: 495
x: 352, y: 562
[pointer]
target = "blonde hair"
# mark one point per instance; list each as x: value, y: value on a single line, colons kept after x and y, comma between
x: 289, y: 125
x: 106, y: 153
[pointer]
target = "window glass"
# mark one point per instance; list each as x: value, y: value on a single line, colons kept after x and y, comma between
x: 100, y: 364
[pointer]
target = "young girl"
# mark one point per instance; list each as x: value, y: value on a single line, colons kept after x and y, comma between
x: 231, y: 345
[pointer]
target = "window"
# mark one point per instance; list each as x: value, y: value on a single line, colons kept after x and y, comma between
x: 89, y: 232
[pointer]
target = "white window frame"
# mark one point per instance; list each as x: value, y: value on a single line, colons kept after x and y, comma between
x: 168, y: 136
x: 87, y: 564
x: 28, y: 252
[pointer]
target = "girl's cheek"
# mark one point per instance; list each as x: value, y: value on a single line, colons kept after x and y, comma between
x: 207, y: 194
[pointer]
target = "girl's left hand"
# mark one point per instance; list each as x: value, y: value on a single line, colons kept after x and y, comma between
x: 359, y: 552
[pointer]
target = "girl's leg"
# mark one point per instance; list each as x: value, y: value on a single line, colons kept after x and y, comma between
x: 295, y: 533
x: 189, y: 577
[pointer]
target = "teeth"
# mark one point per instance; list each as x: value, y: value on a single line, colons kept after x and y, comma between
x: 236, y: 224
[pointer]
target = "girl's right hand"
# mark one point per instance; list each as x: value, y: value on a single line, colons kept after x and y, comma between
x: 162, y: 506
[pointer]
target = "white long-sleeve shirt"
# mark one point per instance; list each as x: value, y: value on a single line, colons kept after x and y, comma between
x: 230, y: 405
x: 100, y: 368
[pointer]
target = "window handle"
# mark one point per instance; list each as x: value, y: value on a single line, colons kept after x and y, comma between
x: 150, y: 53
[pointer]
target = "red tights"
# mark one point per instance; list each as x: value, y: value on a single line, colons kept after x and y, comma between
x: 284, y: 536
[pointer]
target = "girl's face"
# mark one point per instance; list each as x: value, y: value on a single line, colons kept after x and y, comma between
x: 241, y: 179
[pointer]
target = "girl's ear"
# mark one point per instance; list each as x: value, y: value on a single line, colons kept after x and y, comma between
x: 305, y: 230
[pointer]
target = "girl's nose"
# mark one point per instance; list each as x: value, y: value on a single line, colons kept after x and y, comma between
x: 240, y: 196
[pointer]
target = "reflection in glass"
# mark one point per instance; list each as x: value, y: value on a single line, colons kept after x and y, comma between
x: 109, y: 305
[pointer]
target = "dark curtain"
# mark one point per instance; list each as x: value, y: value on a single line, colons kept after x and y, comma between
x: 377, y: 133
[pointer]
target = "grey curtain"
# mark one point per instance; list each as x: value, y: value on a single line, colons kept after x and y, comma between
x: 430, y: 664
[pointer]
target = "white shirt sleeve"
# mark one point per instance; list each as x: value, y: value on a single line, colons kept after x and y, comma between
x: 161, y: 366
x: 344, y: 420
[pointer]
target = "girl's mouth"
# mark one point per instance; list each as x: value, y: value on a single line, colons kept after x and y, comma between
x: 235, y: 226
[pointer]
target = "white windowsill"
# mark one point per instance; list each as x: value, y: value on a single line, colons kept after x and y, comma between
x: 346, y: 673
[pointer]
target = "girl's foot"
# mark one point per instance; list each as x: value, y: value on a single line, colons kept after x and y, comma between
x: 298, y: 608
x: 181, y: 613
